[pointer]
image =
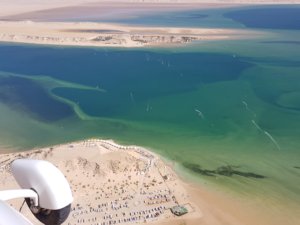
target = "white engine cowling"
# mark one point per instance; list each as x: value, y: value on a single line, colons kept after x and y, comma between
x: 9, y: 216
x: 50, y: 184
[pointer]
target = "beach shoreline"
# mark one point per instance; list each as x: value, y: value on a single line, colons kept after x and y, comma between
x: 112, y: 35
x: 38, y: 23
x: 111, y: 182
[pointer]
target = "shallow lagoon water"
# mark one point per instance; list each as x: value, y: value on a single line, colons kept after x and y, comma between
x: 207, y: 106
x: 284, y: 17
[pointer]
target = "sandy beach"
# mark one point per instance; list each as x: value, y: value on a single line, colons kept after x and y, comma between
x: 110, y: 182
x: 35, y: 23
x: 114, y: 35
x: 131, y: 185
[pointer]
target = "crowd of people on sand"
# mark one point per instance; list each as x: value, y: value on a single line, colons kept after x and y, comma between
x: 157, y: 199
x: 137, y: 192
x: 152, y: 202
x: 110, y: 217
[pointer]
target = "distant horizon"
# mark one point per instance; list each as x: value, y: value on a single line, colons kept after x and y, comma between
x: 13, y: 7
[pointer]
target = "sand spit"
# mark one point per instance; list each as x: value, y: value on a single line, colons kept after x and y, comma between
x: 14, y: 7
x: 113, y: 35
x: 111, y: 184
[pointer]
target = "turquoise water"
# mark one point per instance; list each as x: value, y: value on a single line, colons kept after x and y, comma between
x: 285, y: 17
x: 194, y: 18
x: 191, y: 18
x: 274, y: 17
x: 227, y: 112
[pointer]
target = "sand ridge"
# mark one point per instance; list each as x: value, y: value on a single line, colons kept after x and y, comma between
x: 111, y: 35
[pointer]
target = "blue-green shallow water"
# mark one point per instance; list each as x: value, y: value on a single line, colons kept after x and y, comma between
x: 193, y: 106
x: 285, y: 17
x: 205, y: 105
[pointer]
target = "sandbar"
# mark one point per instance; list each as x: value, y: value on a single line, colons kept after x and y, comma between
x: 111, y: 35
x: 45, y: 23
